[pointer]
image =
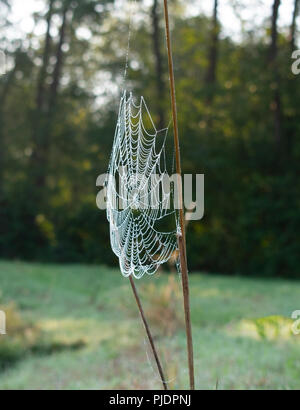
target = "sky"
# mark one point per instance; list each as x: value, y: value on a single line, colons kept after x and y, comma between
x: 253, y: 12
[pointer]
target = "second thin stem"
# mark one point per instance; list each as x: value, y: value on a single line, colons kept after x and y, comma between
x: 151, y: 341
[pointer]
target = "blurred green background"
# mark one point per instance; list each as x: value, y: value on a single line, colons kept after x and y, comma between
x: 238, y: 107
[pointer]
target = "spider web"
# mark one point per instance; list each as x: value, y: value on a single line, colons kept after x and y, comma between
x: 140, y: 206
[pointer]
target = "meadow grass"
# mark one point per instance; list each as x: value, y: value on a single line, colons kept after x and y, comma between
x: 81, y: 330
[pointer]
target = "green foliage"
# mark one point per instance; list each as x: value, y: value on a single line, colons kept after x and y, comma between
x: 252, y: 188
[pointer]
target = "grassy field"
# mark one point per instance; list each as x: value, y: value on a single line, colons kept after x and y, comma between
x: 77, y: 327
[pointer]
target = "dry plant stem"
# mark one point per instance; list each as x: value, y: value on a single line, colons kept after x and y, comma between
x: 151, y: 341
x: 181, y: 237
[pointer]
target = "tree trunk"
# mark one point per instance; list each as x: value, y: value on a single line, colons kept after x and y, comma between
x: 44, y: 121
x: 294, y: 26
x: 40, y: 97
x: 274, y: 31
x: 3, y: 97
x: 276, y: 97
x: 160, y: 85
x: 59, y: 62
x: 38, y: 158
x: 211, y: 74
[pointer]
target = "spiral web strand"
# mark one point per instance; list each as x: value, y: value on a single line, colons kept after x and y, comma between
x: 140, y: 206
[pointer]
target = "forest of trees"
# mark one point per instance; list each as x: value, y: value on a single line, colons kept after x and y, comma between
x: 238, y: 107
